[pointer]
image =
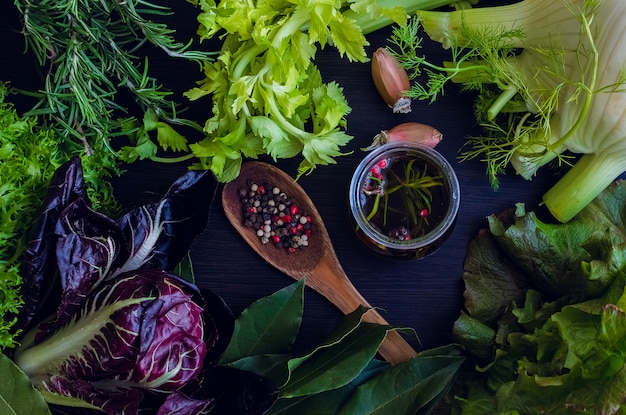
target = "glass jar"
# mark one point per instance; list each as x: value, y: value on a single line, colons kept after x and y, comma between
x: 404, y: 199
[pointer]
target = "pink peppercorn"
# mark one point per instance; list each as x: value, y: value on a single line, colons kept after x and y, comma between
x: 275, y: 217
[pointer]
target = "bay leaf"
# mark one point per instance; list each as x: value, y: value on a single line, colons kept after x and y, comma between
x: 272, y: 366
x: 409, y: 388
x: 269, y: 325
x: 335, y: 365
x: 346, y: 325
x: 17, y: 394
x: 329, y: 402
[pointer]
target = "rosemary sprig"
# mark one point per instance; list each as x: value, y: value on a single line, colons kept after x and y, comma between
x: 89, y: 52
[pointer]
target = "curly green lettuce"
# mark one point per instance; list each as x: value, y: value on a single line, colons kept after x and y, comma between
x: 544, y: 313
x: 29, y: 155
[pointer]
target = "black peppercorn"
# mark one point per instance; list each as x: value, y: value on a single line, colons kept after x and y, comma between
x: 274, y: 216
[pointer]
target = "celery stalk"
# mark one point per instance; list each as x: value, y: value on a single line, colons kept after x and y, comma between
x: 369, y: 25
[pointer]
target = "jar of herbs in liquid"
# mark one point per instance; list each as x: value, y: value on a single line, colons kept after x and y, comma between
x: 404, y: 199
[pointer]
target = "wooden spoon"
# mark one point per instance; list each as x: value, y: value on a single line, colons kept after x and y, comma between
x: 317, y: 262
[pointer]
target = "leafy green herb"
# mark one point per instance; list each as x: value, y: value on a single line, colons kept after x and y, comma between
x: 544, y: 313
x: 267, y: 95
x: 89, y: 52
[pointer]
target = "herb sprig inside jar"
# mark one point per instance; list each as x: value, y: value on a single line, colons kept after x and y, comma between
x: 399, y: 197
x: 404, y: 198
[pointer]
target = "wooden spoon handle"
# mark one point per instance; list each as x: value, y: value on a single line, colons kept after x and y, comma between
x: 330, y: 281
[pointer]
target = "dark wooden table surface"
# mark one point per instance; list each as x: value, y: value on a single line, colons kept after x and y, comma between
x: 426, y: 294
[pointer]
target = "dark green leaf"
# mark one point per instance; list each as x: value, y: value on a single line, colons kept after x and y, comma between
x: 550, y: 254
x: 492, y: 281
x: 411, y: 387
x: 347, y: 324
x: 326, y: 403
x: 17, y: 394
x: 269, y: 325
x: 477, y: 337
x: 336, y: 365
x: 184, y: 269
x: 272, y: 366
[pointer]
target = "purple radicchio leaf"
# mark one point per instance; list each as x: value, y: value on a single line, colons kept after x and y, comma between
x: 39, y: 263
x: 88, y: 244
x: 137, y: 335
x: 178, y: 403
x: 219, y: 323
x: 159, y: 235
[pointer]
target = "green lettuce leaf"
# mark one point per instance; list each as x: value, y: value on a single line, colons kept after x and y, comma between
x: 544, y: 314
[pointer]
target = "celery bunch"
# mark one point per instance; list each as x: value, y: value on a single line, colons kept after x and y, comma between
x: 267, y: 95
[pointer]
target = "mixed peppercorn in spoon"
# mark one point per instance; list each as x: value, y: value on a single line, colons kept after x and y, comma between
x: 275, y: 216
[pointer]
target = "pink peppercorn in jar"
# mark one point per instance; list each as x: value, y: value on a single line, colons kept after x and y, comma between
x: 404, y: 199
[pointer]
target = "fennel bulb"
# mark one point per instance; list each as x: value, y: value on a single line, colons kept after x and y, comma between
x: 562, y: 94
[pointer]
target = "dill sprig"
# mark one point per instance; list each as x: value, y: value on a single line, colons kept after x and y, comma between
x: 88, y: 51
x: 521, y: 85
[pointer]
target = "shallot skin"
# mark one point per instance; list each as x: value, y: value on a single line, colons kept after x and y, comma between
x: 391, y: 81
x: 410, y: 132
